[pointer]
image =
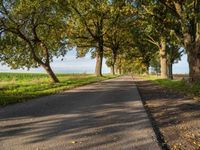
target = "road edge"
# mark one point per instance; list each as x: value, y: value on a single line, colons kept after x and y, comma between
x: 159, y: 138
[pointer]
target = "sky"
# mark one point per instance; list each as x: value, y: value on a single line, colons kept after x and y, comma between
x: 71, y: 64
x: 181, y: 66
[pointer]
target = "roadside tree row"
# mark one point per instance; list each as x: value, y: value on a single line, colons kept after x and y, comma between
x: 131, y: 35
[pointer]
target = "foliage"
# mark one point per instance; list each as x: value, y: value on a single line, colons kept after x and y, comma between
x: 31, y: 33
x: 118, y: 38
x: 36, y: 21
x: 87, y: 27
x: 181, y: 19
x: 131, y: 35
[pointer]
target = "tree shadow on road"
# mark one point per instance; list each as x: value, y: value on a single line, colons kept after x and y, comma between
x: 110, y: 116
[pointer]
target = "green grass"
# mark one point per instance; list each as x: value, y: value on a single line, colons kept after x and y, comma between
x: 176, y: 85
x: 19, y: 87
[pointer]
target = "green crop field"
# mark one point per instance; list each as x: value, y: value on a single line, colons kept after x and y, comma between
x: 18, y: 87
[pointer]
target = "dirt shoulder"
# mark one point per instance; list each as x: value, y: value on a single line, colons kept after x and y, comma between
x: 175, y: 116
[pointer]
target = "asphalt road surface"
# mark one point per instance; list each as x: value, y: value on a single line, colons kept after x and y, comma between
x: 108, y: 115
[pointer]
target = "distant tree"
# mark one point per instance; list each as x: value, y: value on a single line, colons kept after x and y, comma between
x: 31, y: 34
x: 152, y: 27
x: 87, y: 27
x: 118, y: 37
x: 174, y: 53
x: 155, y: 63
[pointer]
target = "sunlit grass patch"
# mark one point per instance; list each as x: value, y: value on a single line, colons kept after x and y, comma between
x: 18, y: 87
x: 176, y: 85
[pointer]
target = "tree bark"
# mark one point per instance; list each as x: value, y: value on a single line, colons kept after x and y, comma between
x: 194, y: 66
x: 193, y: 52
x: 191, y: 39
x: 114, y: 58
x: 47, y: 66
x: 170, y: 67
x: 99, y: 60
x: 120, y: 70
x: 146, y: 64
x: 163, y: 58
x: 113, y: 69
x: 116, y: 69
x: 50, y: 72
x: 113, y: 63
x: 147, y: 70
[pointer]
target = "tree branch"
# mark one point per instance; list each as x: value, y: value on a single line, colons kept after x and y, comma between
x: 84, y: 21
x: 151, y: 40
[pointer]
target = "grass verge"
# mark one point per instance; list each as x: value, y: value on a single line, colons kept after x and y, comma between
x: 174, y: 116
x: 19, y: 87
x: 176, y: 85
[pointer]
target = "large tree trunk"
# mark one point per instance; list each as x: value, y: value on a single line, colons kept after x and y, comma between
x: 147, y: 70
x: 163, y: 58
x: 120, y: 70
x: 146, y: 64
x: 99, y: 58
x: 45, y: 65
x: 113, y: 63
x: 50, y: 72
x: 191, y: 39
x: 193, y: 52
x: 124, y: 71
x: 116, y: 69
x: 113, y: 69
x: 170, y: 70
x: 194, y: 65
x: 98, y: 68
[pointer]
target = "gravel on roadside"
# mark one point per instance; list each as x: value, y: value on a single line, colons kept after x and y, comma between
x: 175, y: 116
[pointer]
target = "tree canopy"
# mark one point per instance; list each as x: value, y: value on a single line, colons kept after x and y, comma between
x: 32, y: 33
x: 130, y: 35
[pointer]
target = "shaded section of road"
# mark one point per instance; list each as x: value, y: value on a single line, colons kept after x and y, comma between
x: 104, y: 115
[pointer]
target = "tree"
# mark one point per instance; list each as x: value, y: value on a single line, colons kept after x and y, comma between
x: 174, y: 53
x: 87, y: 28
x: 118, y: 37
x: 156, y: 22
x: 155, y: 63
x: 31, y: 34
x: 182, y: 17
x: 188, y: 15
x: 151, y: 28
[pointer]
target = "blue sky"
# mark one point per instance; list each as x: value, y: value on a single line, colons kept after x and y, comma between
x: 181, y: 66
x: 71, y: 64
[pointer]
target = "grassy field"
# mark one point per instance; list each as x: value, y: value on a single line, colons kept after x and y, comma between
x: 177, y: 85
x: 18, y: 87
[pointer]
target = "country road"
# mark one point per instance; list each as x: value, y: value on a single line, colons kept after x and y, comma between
x: 108, y: 115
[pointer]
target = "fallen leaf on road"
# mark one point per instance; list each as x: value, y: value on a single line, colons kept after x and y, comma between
x: 73, y: 142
